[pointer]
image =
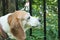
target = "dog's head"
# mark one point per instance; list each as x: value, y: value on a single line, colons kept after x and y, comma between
x: 18, y: 20
x: 26, y: 19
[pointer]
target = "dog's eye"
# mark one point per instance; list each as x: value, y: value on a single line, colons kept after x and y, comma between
x: 28, y: 18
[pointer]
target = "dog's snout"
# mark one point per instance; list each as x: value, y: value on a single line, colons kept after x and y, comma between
x: 39, y: 20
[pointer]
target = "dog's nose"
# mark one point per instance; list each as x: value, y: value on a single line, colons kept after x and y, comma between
x: 39, y: 20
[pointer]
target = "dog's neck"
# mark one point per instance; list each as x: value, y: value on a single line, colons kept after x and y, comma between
x: 5, y: 25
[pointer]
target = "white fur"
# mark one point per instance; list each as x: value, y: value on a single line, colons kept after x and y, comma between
x: 33, y: 21
x: 5, y: 25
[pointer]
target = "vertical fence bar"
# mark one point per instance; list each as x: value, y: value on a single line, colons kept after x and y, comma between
x: 6, y: 7
x: 16, y: 1
x: 59, y: 19
x: 30, y: 11
x: 3, y: 6
x: 44, y: 10
x: 30, y: 6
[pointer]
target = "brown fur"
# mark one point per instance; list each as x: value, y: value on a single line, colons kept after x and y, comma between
x: 16, y: 25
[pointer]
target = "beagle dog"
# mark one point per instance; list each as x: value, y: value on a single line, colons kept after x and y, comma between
x: 15, y: 24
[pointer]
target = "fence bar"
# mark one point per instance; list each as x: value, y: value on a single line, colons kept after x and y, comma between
x: 30, y: 6
x: 30, y: 10
x: 59, y: 19
x: 44, y: 9
x: 3, y: 6
x: 16, y: 1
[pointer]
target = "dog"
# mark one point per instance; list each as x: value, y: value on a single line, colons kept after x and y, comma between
x: 15, y: 24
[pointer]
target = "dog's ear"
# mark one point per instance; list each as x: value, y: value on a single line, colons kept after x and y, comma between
x: 16, y: 27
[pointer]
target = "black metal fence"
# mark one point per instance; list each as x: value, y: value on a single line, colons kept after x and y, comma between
x: 58, y: 19
x: 5, y: 7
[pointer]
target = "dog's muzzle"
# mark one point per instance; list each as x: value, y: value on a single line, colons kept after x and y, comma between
x: 34, y: 22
